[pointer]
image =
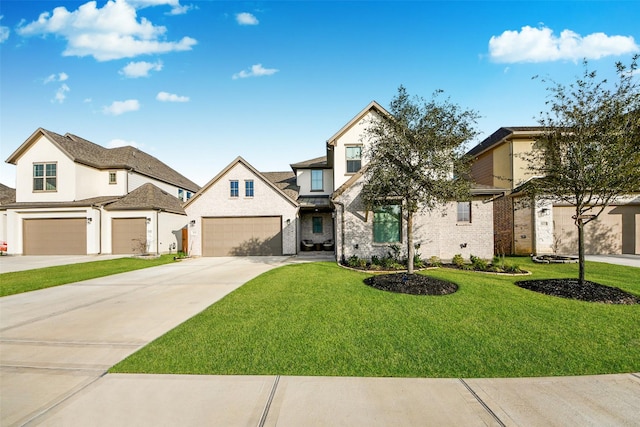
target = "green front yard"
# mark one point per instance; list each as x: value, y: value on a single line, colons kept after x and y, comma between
x: 31, y: 280
x: 320, y: 319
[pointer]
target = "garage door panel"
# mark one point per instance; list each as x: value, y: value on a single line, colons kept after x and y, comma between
x: 241, y: 236
x: 614, y: 232
x: 128, y: 235
x: 55, y: 236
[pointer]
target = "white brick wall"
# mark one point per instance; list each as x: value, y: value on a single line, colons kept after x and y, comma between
x: 214, y: 201
x: 438, y: 232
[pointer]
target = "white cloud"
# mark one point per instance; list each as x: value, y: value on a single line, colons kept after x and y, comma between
x: 121, y: 107
x: 115, y: 143
x: 110, y: 32
x: 246, y: 18
x: 60, y: 77
x: 176, y: 7
x: 4, y: 32
x: 541, y: 45
x: 61, y: 94
x: 171, y: 97
x: 140, y: 69
x: 255, y: 71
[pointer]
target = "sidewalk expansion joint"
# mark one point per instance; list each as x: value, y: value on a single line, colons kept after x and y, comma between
x: 265, y: 412
x: 481, y: 402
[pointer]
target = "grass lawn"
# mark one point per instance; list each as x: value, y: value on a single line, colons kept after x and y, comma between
x: 320, y: 319
x: 40, y: 278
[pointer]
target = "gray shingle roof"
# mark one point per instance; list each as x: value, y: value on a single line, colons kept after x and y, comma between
x: 147, y: 197
x: 7, y: 194
x: 93, y: 201
x: 318, y: 162
x: 285, y: 181
x: 88, y: 153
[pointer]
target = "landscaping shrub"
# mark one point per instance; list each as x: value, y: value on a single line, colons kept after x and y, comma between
x: 457, y: 260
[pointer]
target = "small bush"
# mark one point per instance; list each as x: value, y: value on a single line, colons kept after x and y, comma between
x: 457, y: 260
x: 355, y: 262
x: 478, y: 263
x: 435, y: 261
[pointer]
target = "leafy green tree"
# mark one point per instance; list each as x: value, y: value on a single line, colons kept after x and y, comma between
x: 415, y: 157
x: 589, y: 151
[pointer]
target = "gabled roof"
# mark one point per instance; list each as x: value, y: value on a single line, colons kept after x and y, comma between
x: 147, y: 197
x: 90, y: 154
x: 373, y: 105
x: 284, y: 186
x: 499, y: 136
x: 317, y: 163
x: 7, y: 194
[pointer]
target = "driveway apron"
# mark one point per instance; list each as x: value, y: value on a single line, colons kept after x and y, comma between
x: 57, y: 341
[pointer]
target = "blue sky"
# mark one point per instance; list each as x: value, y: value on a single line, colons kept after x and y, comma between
x: 197, y: 83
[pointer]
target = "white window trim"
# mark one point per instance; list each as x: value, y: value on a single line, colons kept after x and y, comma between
x: 43, y: 177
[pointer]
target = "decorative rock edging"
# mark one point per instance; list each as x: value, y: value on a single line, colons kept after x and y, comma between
x: 554, y: 259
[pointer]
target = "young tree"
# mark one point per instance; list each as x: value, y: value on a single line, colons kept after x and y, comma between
x: 589, y: 151
x: 415, y: 157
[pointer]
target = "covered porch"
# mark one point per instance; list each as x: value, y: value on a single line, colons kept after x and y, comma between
x: 316, y: 225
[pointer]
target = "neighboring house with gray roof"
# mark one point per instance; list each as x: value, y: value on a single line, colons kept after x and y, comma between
x: 76, y: 197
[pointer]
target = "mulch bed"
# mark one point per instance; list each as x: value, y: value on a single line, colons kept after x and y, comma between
x: 414, y: 284
x: 589, y: 291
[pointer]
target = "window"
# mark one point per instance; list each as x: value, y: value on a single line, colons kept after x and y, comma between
x: 317, y: 225
x: 316, y: 180
x: 354, y: 159
x: 189, y: 195
x: 181, y: 194
x: 464, y: 211
x: 45, y: 177
x: 248, y: 188
x: 233, y: 188
x: 113, y: 178
x: 387, y: 222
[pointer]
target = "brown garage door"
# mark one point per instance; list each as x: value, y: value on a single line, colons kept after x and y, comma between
x: 55, y: 236
x: 128, y: 235
x: 614, y: 232
x: 242, y: 236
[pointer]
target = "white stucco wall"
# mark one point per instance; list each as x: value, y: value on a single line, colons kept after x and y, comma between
x: 215, y: 202
x: 303, y: 180
x: 15, y: 229
x: 92, y: 182
x: 351, y: 137
x: 438, y: 232
x: 44, y: 151
x: 135, y: 180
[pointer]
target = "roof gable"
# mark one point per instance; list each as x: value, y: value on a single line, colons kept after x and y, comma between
x: 373, y: 105
x: 90, y: 154
x: 283, y: 181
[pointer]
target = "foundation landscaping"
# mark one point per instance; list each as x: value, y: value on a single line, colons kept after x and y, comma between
x: 322, y: 319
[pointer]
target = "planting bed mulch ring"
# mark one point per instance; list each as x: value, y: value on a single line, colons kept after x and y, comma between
x: 590, y: 291
x: 414, y: 284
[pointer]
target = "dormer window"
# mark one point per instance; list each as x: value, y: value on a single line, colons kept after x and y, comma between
x: 113, y: 178
x: 354, y: 158
x: 45, y: 177
x: 316, y: 180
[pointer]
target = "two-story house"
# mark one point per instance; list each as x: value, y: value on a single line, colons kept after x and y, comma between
x: 527, y: 227
x: 317, y: 207
x: 77, y: 197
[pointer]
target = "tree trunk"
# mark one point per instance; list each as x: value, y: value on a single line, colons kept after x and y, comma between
x: 410, y: 249
x: 580, y: 225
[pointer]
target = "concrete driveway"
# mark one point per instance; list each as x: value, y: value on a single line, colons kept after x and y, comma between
x: 55, y: 342
x: 10, y: 263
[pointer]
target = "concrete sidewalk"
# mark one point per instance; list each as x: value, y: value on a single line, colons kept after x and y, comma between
x: 193, y: 400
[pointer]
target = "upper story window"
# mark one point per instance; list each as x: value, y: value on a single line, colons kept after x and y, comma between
x: 189, y: 195
x: 248, y: 188
x: 113, y: 178
x: 464, y: 211
x: 387, y: 224
x: 354, y: 158
x: 316, y: 180
x: 45, y: 177
x: 233, y: 188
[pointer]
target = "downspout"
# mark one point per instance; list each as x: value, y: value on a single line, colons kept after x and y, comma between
x: 158, y: 231
x: 335, y: 202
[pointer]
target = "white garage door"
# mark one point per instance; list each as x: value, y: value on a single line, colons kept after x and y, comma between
x: 55, y: 236
x: 242, y: 236
x: 616, y: 231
